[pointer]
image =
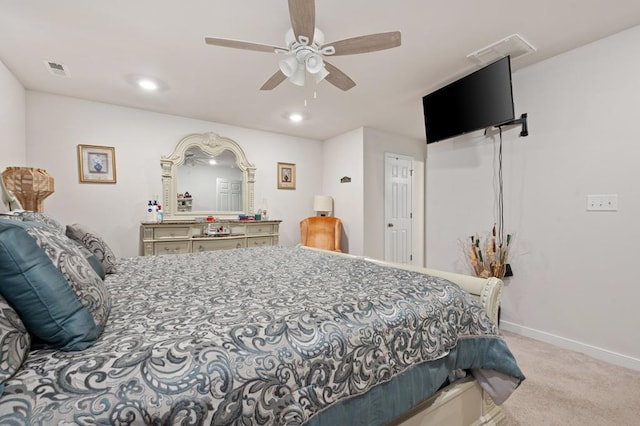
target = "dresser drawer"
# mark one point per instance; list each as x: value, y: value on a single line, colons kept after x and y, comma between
x: 238, y: 229
x: 175, y: 247
x: 171, y: 232
x: 260, y: 230
x: 174, y: 237
x: 260, y: 241
x: 222, y: 244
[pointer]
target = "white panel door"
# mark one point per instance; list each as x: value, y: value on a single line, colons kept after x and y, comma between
x: 229, y: 193
x: 398, y: 214
x: 235, y: 196
x: 223, y: 194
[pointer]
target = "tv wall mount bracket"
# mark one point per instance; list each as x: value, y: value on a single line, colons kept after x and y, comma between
x: 522, y: 121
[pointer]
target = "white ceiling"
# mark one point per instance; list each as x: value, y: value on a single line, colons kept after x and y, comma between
x: 104, y: 44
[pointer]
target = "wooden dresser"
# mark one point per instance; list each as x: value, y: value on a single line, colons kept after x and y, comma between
x: 191, y: 237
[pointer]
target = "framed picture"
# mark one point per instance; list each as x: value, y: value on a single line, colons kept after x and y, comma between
x: 97, y: 164
x: 286, y: 176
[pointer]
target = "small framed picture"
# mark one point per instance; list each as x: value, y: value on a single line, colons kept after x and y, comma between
x: 97, y: 164
x: 286, y: 176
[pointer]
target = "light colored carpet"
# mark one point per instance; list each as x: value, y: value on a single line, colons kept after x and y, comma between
x: 569, y: 388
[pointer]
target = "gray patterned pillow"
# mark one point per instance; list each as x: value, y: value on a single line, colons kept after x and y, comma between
x: 67, y: 257
x: 41, y: 218
x: 15, y: 342
x: 93, y: 261
x: 10, y: 216
x: 95, y: 244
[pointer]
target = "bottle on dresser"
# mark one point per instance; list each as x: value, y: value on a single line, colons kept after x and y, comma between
x: 149, y: 217
x: 154, y: 212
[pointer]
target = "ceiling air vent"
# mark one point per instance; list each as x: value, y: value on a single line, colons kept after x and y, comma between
x: 57, y: 69
x: 514, y: 46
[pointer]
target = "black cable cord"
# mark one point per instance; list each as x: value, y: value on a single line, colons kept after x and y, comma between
x: 500, y: 195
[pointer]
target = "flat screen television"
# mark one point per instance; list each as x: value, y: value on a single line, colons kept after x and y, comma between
x: 479, y: 100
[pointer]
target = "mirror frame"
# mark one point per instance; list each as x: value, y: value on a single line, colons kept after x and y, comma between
x: 212, y: 144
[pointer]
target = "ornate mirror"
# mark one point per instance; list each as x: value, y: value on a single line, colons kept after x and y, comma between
x: 207, y: 175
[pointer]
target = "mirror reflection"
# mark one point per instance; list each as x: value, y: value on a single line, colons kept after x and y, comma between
x: 207, y: 182
x: 223, y: 190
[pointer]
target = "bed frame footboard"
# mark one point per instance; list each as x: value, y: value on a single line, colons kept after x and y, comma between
x: 488, y: 290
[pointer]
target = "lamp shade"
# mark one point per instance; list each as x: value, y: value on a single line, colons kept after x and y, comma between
x: 323, y: 204
x: 320, y: 75
x: 314, y: 63
x: 289, y: 66
x: 299, y: 76
x: 30, y: 186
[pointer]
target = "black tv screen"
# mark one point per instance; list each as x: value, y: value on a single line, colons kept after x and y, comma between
x: 479, y: 100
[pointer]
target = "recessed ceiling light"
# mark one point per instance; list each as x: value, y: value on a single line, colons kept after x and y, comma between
x: 147, y: 84
x: 296, y: 117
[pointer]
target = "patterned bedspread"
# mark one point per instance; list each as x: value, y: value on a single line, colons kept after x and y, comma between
x: 248, y: 336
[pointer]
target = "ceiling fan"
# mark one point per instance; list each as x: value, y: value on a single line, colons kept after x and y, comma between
x: 306, y: 50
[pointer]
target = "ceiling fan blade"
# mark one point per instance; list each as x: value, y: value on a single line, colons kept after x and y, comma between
x: 274, y: 80
x: 237, y: 44
x: 365, y: 44
x: 338, y: 78
x: 303, y: 18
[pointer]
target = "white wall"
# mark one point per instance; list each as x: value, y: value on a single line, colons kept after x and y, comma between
x: 57, y: 124
x: 573, y: 283
x: 359, y: 154
x: 343, y: 157
x: 13, y: 149
x: 376, y: 143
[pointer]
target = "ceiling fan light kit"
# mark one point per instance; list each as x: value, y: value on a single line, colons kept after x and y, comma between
x: 303, y: 57
x: 289, y: 66
x: 321, y: 75
x: 314, y: 63
x: 306, y: 49
x: 299, y: 77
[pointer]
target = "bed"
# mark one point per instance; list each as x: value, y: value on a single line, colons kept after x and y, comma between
x: 273, y: 335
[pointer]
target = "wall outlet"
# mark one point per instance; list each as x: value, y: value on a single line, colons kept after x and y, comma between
x: 604, y: 202
x: 508, y: 272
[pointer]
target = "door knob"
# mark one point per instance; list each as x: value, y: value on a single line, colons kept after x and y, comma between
x: 390, y: 225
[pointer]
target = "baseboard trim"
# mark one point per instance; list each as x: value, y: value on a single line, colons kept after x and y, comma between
x: 562, y: 342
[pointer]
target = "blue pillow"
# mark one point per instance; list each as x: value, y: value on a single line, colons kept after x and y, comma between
x: 64, y: 253
x: 40, y: 294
